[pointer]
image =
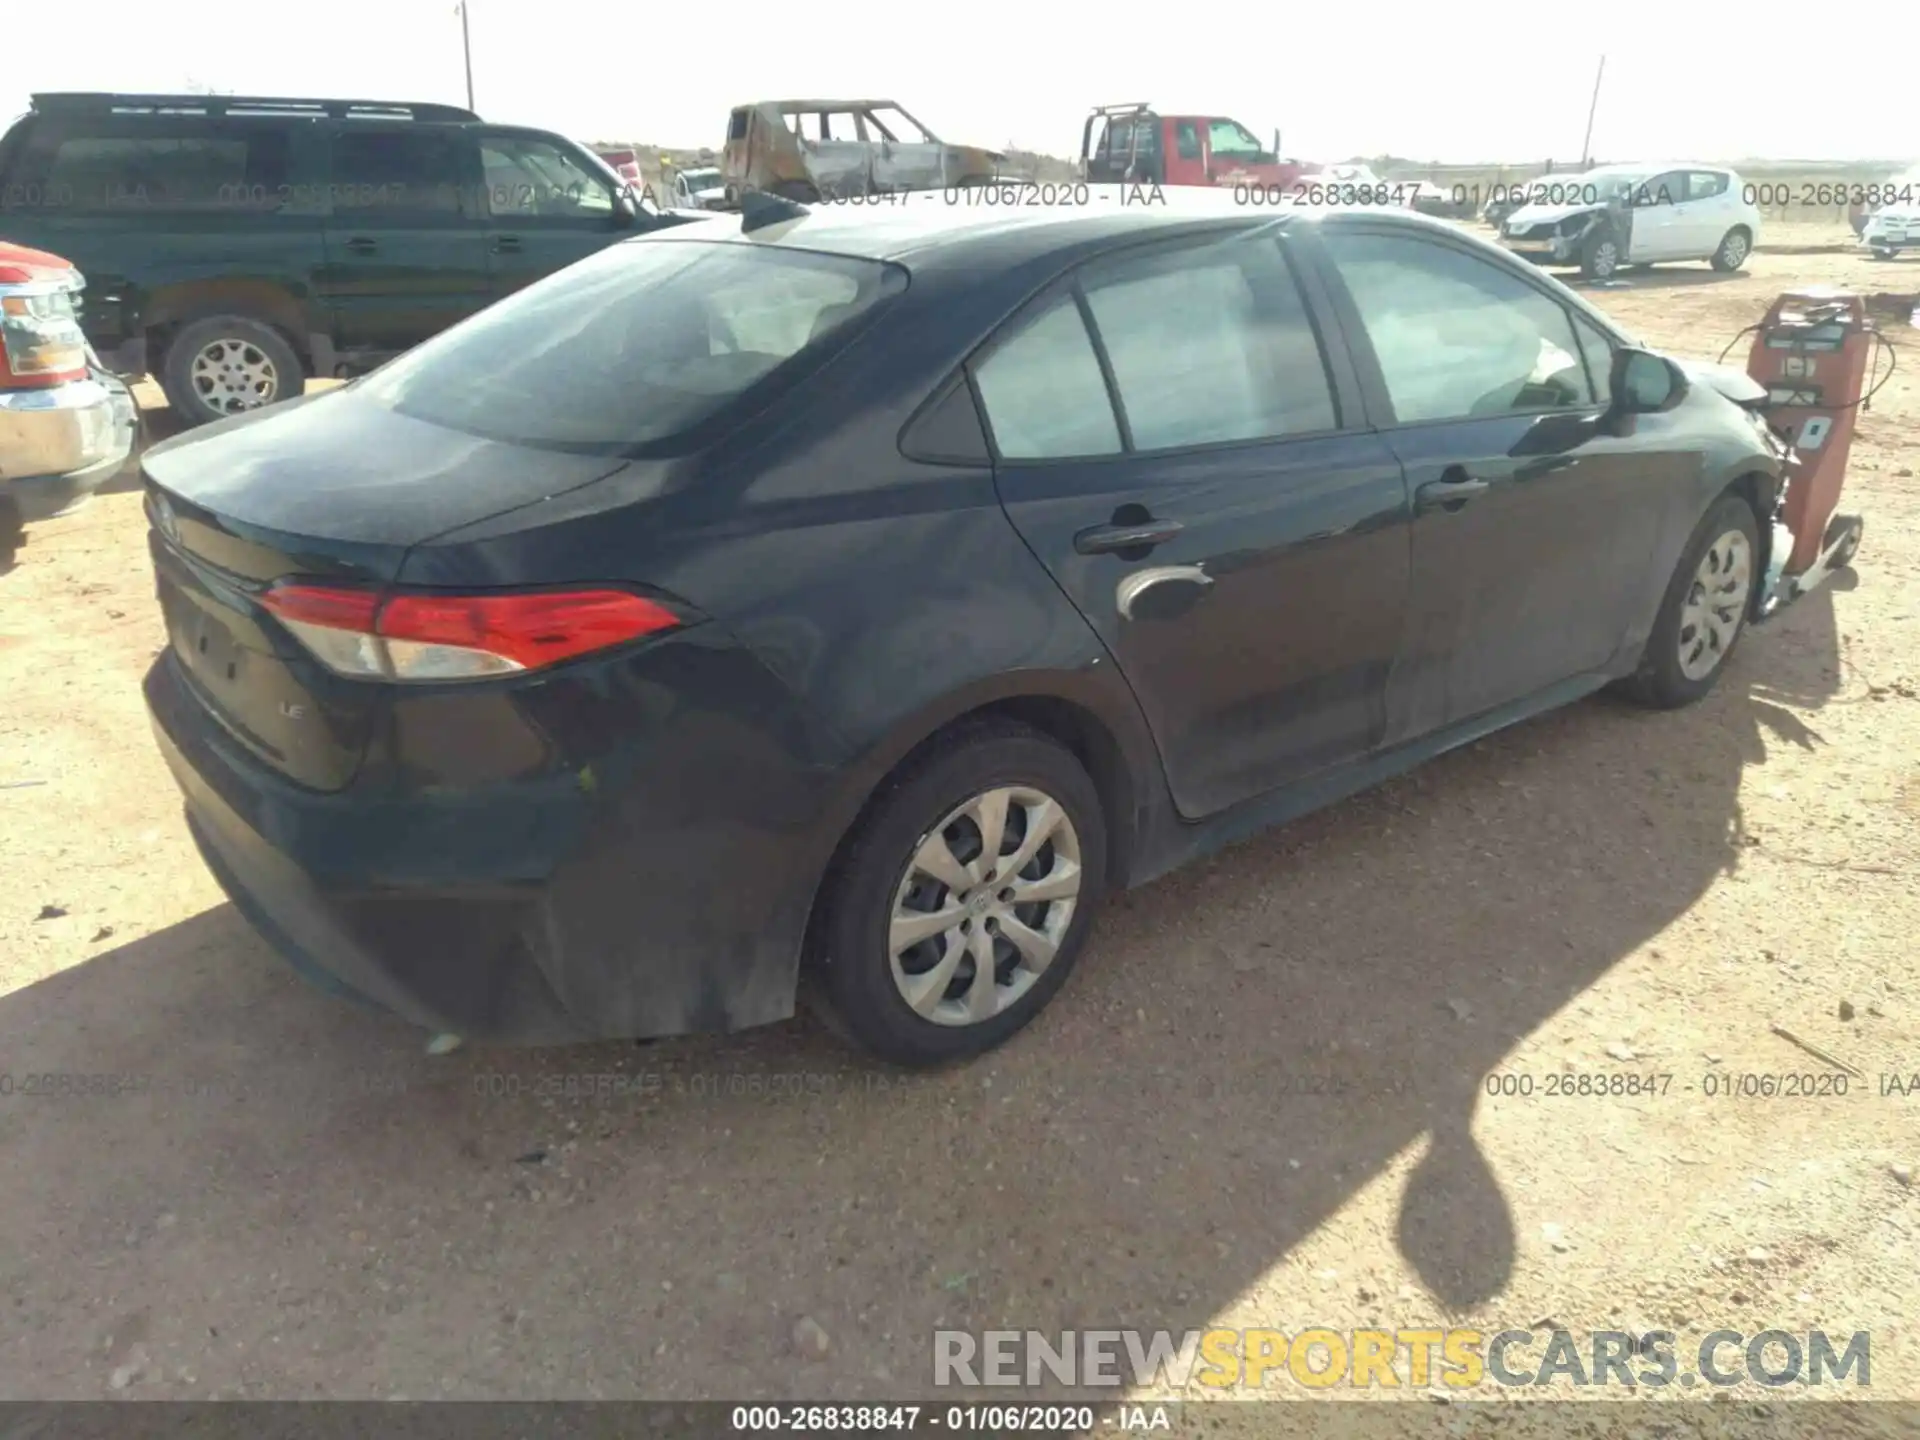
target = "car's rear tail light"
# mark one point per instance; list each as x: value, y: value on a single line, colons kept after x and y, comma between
x: 459, y: 637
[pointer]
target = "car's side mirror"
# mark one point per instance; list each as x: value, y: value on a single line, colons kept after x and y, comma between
x: 1645, y: 383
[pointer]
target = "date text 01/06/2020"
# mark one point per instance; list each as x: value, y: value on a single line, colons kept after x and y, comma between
x: 1018, y: 195
x: 1711, y: 1085
x: 949, y: 1419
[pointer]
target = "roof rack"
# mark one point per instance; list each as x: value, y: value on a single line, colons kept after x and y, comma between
x: 95, y: 102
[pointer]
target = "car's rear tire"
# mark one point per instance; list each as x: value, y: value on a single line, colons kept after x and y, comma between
x: 227, y: 365
x: 1882, y: 252
x: 1735, y: 246
x: 909, y: 989
x: 1704, y: 612
x: 1600, y: 256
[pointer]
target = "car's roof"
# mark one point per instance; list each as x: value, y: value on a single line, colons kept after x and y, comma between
x: 806, y: 105
x: 1647, y: 167
x: 936, y: 229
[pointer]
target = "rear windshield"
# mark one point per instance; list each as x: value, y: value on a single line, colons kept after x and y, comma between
x: 638, y: 343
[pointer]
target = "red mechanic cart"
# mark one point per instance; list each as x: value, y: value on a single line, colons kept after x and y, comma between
x: 1810, y: 353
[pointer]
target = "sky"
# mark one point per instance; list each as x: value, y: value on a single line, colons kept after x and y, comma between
x: 1494, y: 81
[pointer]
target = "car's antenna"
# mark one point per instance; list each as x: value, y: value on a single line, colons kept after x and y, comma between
x: 759, y: 209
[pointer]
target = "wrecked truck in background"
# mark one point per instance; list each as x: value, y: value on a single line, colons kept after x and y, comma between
x: 831, y: 149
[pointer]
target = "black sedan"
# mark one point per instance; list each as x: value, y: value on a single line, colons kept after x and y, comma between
x: 864, y: 593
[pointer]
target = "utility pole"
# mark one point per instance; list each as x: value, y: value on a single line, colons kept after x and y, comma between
x: 1586, y: 145
x: 466, y: 50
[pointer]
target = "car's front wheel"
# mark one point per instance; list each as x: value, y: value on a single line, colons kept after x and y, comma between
x: 1704, y: 611
x: 959, y: 907
x: 1735, y: 246
x: 1600, y: 256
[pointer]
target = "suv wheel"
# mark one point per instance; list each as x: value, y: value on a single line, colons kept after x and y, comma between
x: 959, y: 909
x: 226, y: 365
x: 1705, y: 610
x: 1734, y: 248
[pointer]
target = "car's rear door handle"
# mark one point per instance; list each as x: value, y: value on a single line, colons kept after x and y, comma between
x: 362, y: 245
x: 506, y: 244
x: 1452, y: 490
x: 1105, y: 539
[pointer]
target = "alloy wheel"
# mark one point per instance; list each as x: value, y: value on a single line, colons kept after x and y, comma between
x: 1716, y: 605
x: 984, y: 905
x: 1733, y: 251
x: 231, y: 376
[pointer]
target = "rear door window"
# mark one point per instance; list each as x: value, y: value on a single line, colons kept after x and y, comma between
x: 1705, y: 184
x: 639, y: 343
x: 395, y: 173
x: 1209, y: 344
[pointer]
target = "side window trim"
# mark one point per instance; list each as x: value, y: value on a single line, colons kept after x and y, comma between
x: 1105, y: 362
x: 1600, y: 385
x: 913, y: 440
x: 1359, y: 344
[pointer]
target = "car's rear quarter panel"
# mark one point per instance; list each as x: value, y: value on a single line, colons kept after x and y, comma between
x: 861, y: 600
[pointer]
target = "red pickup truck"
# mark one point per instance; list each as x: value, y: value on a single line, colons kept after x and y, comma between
x: 1134, y: 143
x: 66, y: 425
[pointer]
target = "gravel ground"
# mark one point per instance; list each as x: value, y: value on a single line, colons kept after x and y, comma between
x: 300, y: 1203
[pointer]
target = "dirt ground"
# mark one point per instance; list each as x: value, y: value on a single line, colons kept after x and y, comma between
x: 301, y: 1203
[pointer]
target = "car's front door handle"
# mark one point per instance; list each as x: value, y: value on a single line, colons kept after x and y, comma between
x: 362, y: 245
x: 1105, y: 539
x: 506, y: 244
x: 1452, y: 490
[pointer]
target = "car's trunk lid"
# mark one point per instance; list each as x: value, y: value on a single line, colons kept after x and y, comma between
x: 292, y: 492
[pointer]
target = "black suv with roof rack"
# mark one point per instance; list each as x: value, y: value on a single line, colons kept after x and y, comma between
x: 234, y: 246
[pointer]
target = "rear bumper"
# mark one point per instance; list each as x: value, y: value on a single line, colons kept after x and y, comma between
x: 668, y: 897
x: 59, y: 444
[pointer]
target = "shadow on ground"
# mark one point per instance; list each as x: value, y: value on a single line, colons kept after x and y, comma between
x: 288, y: 1198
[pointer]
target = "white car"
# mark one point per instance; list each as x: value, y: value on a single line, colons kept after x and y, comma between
x: 698, y: 189
x: 1346, y: 185
x: 1895, y: 226
x: 1620, y: 215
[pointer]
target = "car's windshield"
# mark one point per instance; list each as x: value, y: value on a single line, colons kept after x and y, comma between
x: 638, y: 343
x: 1229, y: 137
x: 900, y: 126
